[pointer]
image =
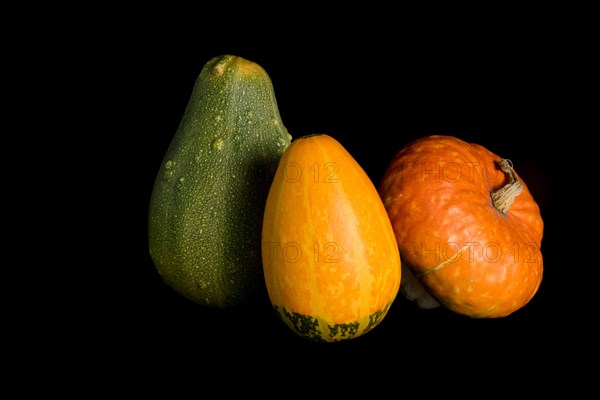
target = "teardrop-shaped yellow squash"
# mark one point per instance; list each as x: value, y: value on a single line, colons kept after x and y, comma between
x: 330, y: 258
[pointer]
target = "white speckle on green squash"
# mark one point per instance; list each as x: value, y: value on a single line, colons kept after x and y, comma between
x: 218, y: 144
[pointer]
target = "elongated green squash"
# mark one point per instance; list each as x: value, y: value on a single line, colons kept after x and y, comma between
x: 208, y: 200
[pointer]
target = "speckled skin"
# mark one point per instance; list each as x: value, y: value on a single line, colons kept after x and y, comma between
x: 472, y: 258
x: 207, y: 204
x: 330, y: 258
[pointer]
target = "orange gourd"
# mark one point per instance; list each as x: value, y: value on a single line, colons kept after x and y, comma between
x: 330, y: 258
x: 468, y: 228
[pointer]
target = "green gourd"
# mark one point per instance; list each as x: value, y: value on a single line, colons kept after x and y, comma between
x: 207, y: 203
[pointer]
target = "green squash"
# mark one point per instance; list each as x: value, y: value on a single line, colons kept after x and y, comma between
x: 208, y: 199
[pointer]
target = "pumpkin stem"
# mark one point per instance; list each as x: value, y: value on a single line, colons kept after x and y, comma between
x: 504, y: 197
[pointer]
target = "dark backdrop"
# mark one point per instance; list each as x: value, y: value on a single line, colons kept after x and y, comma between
x: 489, y: 88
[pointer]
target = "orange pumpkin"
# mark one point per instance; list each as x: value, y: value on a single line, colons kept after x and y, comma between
x: 467, y: 226
x: 330, y: 258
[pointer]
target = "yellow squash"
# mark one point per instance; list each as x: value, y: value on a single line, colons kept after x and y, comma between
x: 330, y: 258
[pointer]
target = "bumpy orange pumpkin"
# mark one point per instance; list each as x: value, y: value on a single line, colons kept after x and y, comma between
x: 467, y: 226
x: 330, y: 258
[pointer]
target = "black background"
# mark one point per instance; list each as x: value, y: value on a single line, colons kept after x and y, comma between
x: 374, y: 90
